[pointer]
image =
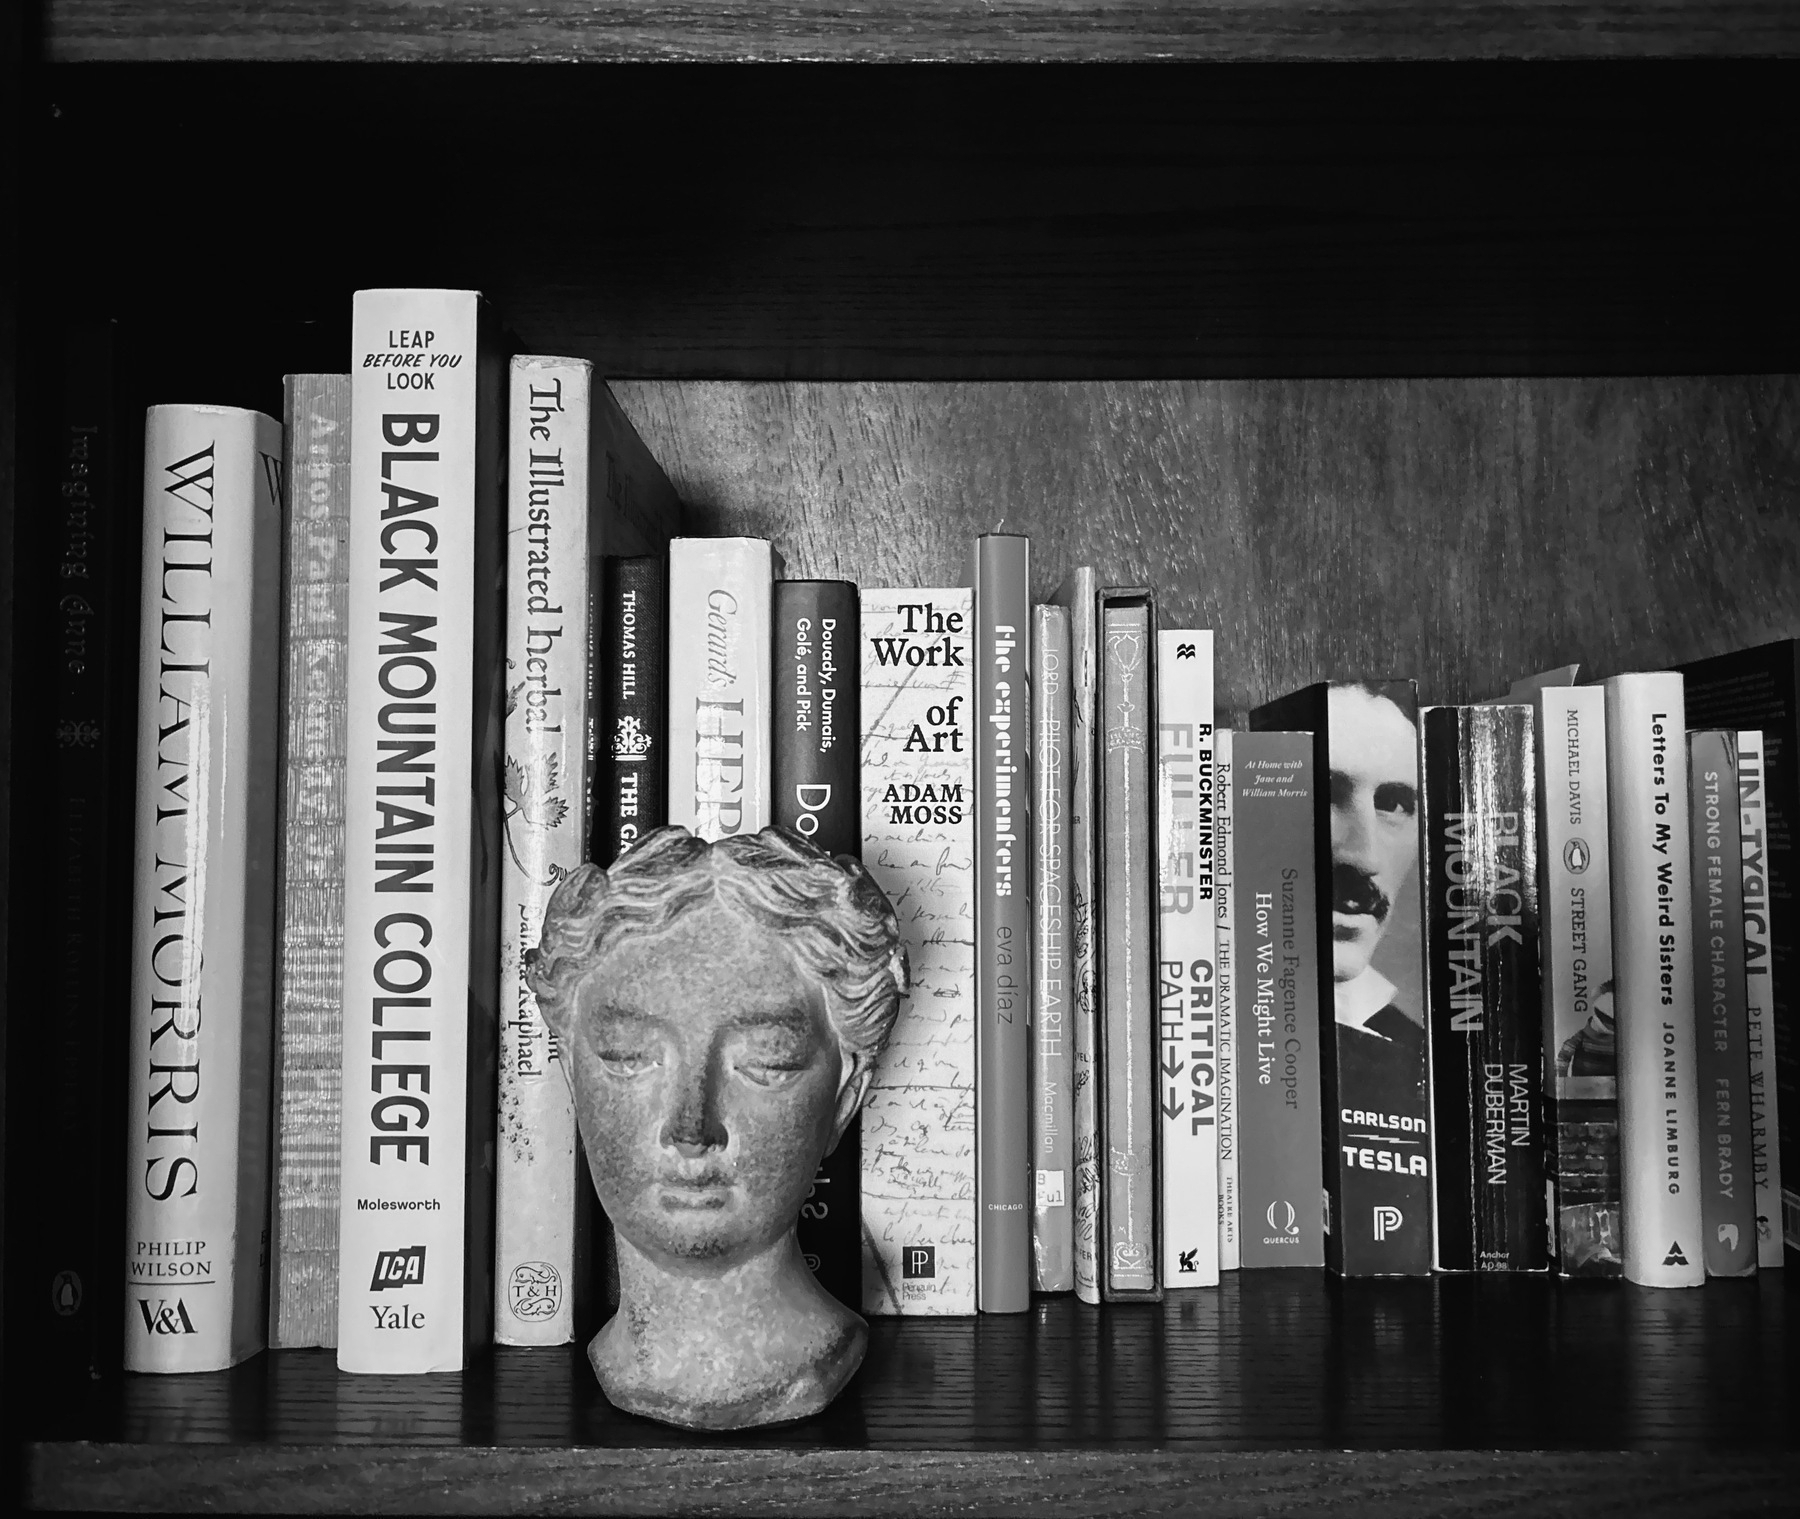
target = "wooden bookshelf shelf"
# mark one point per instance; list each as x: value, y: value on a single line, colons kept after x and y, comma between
x: 1278, y: 1383
x: 921, y: 30
x: 1332, y: 318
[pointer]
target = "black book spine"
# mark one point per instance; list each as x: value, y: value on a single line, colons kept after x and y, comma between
x: 1485, y: 987
x: 816, y: 781
x: 631, y: 770
x: 79, y: 573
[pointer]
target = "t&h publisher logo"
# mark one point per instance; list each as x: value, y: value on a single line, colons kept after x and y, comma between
x: 1387, y: 1220
x: 399, y: 1268
x: 918, y: 1261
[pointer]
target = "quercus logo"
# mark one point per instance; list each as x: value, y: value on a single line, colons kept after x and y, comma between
x: 166, y: 1318
x: 1281, y: 1216
x: 399, y: 1268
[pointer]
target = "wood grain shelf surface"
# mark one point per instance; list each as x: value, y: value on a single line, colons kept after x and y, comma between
x: 1126, y: 1408
x: 917, y: 30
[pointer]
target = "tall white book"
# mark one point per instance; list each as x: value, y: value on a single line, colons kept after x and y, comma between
x: 1765, y: 1098
x: 918, y: 779
x: 552, y: 563
x: 720, y: 698
x: 421, y: 903
x: 309, y: 1031
x: 1187, y: 1076
x: 196, y: 1221
x: 1653, y: 973
x: 1225, y: 978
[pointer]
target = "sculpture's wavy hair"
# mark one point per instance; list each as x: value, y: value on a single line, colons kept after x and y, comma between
x: 829, y: 912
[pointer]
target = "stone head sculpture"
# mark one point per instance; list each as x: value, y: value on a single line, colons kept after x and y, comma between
x: 720, y: 1007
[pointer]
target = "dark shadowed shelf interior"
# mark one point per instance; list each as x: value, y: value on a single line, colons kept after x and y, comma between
x: 1463, y: 348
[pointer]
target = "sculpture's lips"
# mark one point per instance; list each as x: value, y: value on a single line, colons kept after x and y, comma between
x: 705, y: 1192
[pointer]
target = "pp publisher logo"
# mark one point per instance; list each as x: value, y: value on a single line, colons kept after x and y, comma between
x: 399, y: 1268
x: 1387, y: 1220
x: 918, y: 1261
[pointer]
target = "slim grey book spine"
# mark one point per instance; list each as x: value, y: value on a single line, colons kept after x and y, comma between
x: 1078, y: 594
x: 1052, y: 1048
x: 1727, y: 1179
x: 1126, y: 890
x: 309, y: 1031
x: 1276, y: 995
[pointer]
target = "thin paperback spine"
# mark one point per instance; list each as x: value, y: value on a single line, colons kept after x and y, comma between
x: 204, y: 911
x: 1003, y: 909
x: 1581, y: 1086
x: 540, y: 1204
x: 1484, y: 986
x: 817, y: 792
x: 1078, y: 595
x: 1127, y: 883
x: 1187, y: 1029
x: 918, y: 841
x: 1052, y: 1047
x: 1759, y: 1006
x: 1225, y: 980
x: 309, y: 1032
x: 1277, y: 1000
x: 1722, y: 1065
x: 422, y: 804
x: 720, y: 705
x: 1653, y: 945
x: 631, y: 738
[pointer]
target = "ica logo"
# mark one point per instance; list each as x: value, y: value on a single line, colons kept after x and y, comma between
x: 399, y: 1268
x: 1387, y: 1220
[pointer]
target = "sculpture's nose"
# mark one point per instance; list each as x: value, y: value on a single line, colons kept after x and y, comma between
x: 694, y: 1125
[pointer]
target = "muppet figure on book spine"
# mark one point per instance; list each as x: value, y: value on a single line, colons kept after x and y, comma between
x: 722, y: 1005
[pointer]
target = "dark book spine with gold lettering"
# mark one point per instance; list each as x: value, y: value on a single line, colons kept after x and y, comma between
x: 816, y: 782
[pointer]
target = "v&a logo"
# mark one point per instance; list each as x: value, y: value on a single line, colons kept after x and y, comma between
x: 165, y: 1318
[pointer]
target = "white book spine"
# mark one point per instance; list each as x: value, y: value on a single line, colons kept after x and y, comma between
x: 1653, y: 971
x: 720, y: 701
x: 1225, y: 978
x: 409, y: 824
x: 1765, y: 1116
x: 544, y: 822
x: 309, y: 1031
x: 918, y: 778
x: 1187, y: 1005
x: 204, y: 901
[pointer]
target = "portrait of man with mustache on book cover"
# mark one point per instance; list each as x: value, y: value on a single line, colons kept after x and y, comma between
x: 1374, y: 781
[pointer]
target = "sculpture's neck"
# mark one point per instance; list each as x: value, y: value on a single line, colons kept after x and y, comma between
x: 757, y: 1343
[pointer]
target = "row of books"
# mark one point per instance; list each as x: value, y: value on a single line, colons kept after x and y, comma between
x: 1182, y: 1001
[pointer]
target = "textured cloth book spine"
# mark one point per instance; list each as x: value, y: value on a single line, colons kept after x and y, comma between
x: 1484, y: 986
x: 817, y: 793
x: 720, y: 643
x: 918, y: 841
x: 1722, y: 1065
x: 1760, y: 688
x: 75, y: 582
x: 1126, y: 883
x: 1225, y: 980
x: 1078, y: 594
x: 1001, y: 577
x: 1653, y: 946
x: 1052, y: 1045
x: 203, y: 922
x: 1580, y: 1069
x: 309, y: 1034
x: 1187, y: 1029
x: 1277, y: 999
x: 1373, y: 1070
x: 631, y: 740
x: 1759, y: 1009
x: 423, y: 832
x: 541, y: 1211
